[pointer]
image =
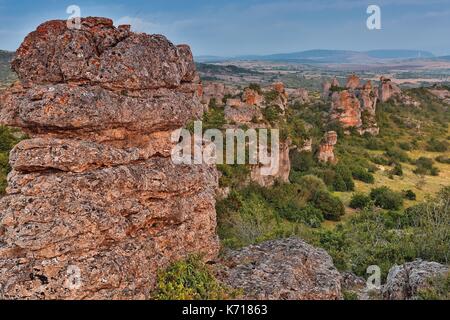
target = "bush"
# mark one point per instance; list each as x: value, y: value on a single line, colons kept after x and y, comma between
x: 375, y: 144
x: 387, y: 199
x: 331, y: 206
x: 302, y: 161
x: 363, y: 175
x: 410, y: 195
x: 435, y: 145
x: 405, y: 146
x: 272, y: 114
x: 425, y: 167
x: 397, y: 170
x: 256, y: 87
x: 190, y: 280
x: 443, y: 159
x: 344, y: 179
x: 308, y: 215
x: 438, y: 289
x: 359, y: 201
x: 397, y: 155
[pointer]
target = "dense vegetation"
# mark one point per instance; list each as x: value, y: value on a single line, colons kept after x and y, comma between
x: 191, y: 280
x: 8, y: 139
x: 389, y: 226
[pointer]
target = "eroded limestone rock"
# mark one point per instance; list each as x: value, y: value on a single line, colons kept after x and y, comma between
x: 94, y: 205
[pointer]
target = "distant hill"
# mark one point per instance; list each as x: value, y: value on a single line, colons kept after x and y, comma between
x: 399, y: 54
x: 331, y: 56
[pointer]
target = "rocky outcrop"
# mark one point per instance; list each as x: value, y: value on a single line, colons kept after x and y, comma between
x: 286, y: 269
x: 388, y: 89
x: 326, y: 86
x: 441, y: 93
x: 94, y: 205
x: 217, y: 91
x: 354, y: 106
x: 307, y: 146
x: 346, y: 109
x: 326, y: 148
x: 335, y: 83
x: 404, y: 282
x: 281, y: 100
x: 252, y: 97
x: 368, y: 96
x: 299, y: 95
x: 281, y: 174
x: 241, y: 113
x: 353, y: 82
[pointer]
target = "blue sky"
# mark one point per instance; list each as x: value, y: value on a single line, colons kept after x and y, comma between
x: 235, y: 27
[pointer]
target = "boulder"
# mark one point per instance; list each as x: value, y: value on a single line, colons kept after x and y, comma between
x: 326, y: 148
x: 404, y: 282
x: 287, y: 269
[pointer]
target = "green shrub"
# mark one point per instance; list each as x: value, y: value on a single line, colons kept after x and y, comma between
x: 438, y: 289
x: 214, y: 118
x: 405, y: 146
x: 233, y: 175
x: 410, y: 195
x: 397, y: 170
x: 363, y: 175
x: 344, y: 179
x: 375, y: 144
x: 308, y: 215
x: 301, y: 161
x: 425, y: 167
x: 387, y: 199
x: 272, y: 113
x: 397, y: 155
x: 331, y: 206
x: 256, y: 87
x: 359, y: 201
x: 270, y: 96
x: 190, y: 280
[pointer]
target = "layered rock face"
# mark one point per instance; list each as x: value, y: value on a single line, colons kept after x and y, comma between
x: 95, y: 206
x: 287, y: 269
x: 326, y: 148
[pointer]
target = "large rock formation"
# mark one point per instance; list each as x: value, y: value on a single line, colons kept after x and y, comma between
x: 286, y: 269
x: 281, y: 174
x: 217, y: 91
x: 326, y: 148
x: 405, y: 281
x: 95, y: 206
x: 388, y: 89
x: 252, y: 97
x: 354, y: 106
x: 299, y: 95
x: 346, y: 109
